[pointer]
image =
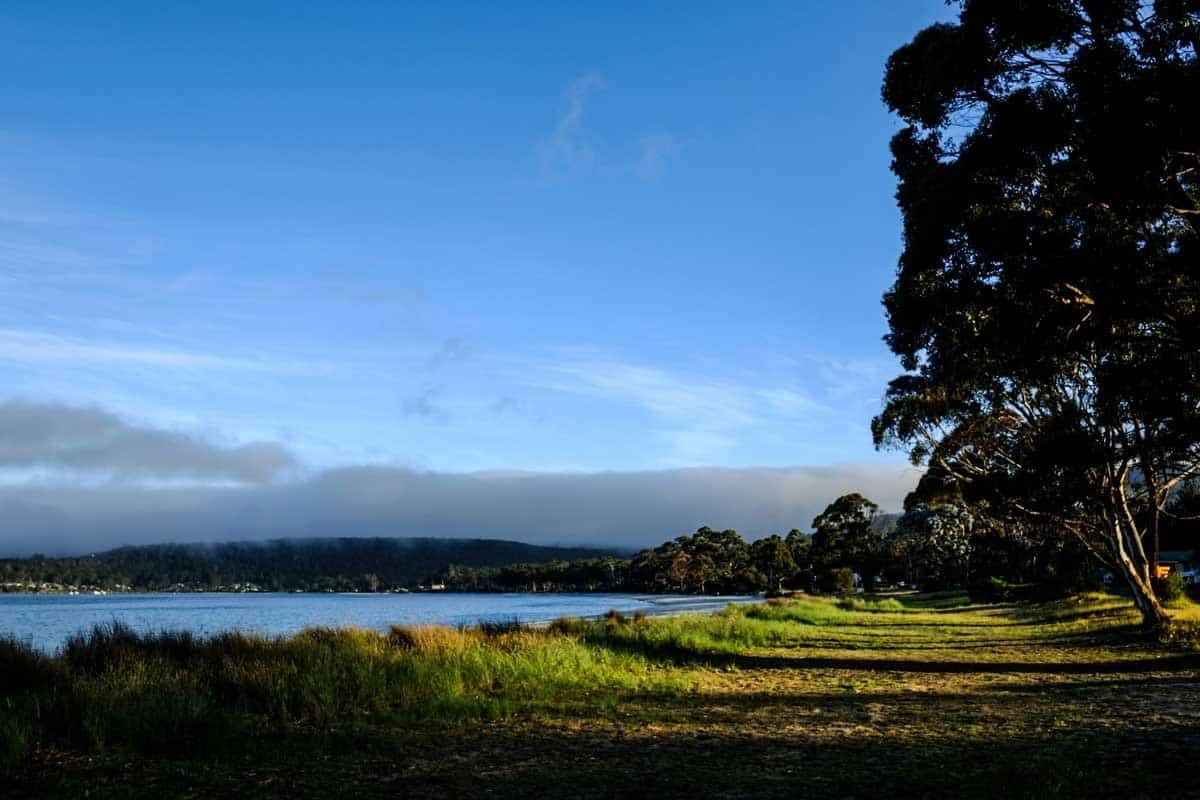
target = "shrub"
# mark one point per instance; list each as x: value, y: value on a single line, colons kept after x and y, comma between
x: 568, y: 626
x: 1181, y: 634
x: 402, y: 637
x: 838, y: 579
x: 997, y: 590
x: 887, y: 604
x: 1171, y: 588
x: 436, y: 639
x: 493, y: 628
x: 16, y: 739
x: 23, y: 668
x: 103, y: 648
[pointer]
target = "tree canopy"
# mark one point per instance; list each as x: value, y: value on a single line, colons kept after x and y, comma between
x: 844, y: 534
x: 1046, y: 309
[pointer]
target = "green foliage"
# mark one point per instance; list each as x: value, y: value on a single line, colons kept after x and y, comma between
x: 344, y: 565
x: 178, y: 694
x: 773, y: 559
x: 707, y: 561
x: 836, y: 579
x: 845, y: 535
x: 888, y: 605
x: 16, y: 738
x: 997, y: 590
x: 23, y: 669
x: 1047, y: 306
x: 1172, y: 588
x: 939, y: 540
x: 24, y: 674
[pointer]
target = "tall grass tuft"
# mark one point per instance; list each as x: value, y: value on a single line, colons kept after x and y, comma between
x: 23, y: 668
x: 499, y: 627
x: 872, y: 605
x: 113, y: 687
x: 24, y: 674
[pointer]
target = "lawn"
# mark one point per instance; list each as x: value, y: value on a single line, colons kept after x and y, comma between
x: 927, y: 696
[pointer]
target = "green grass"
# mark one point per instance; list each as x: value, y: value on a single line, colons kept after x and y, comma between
x: 820, y: 697
x: 171, y: 692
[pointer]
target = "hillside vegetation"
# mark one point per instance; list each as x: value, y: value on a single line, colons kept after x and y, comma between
x: 338, y: 564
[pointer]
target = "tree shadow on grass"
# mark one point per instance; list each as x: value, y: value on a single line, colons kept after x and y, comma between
x: 1176, y: 663
x: 520, y: 761
x: 1076, y: 642
x: 1026, y: 706
x: 675, y: 653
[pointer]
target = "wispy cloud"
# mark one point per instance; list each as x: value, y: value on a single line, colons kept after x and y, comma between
x: 655, y: 152
x: 426, y: 405
x: 452, y: 350
x: 31, y: 347
x: 847, y: 381
x: 696, y: 446
x: 503, y: 406
x: 711, y: 405
x: 566, y: 149
x: 790, y: 402
x: 699, y: 421
x: 22, y: 257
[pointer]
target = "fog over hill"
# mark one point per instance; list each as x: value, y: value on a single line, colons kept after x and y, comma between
x: 102, y: 482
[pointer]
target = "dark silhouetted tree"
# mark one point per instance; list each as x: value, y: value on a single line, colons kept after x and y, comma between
x: 1047, y: 306
x: 773, y: 558
x: 844, y: 535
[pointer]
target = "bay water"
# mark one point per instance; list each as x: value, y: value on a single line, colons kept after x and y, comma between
x: 46, y: 621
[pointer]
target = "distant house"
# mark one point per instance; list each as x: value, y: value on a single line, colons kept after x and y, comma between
x: 1182, y: 561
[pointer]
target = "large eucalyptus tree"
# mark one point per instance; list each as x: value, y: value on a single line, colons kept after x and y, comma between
x: 1046, y: 310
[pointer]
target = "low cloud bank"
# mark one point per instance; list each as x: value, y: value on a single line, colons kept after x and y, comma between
x: 621, y: 509
x: 95, y: 441
x: 616, y: 509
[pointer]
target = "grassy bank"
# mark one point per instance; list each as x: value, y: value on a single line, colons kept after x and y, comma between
x: 174, y: 693
x: 820, y: 697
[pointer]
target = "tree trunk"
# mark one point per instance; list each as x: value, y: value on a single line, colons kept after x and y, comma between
x: 1153, y: 614
x: 1125, y: 540
x: 1136, y: 571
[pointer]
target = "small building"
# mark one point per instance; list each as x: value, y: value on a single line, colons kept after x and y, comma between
x: 1182, y: 561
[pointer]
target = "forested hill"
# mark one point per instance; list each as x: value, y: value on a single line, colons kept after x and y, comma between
x: 280, y: 565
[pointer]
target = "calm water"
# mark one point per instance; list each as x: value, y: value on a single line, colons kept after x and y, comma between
x: 47, y: 620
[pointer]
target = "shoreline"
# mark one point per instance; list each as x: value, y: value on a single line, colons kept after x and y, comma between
x: 48, y: 621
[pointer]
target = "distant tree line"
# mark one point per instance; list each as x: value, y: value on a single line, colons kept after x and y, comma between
x: 940, y: 541
x: 313, y: 565
x: 706, y: 562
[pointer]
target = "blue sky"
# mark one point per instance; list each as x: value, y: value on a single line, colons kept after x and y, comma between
x: 452, y: 237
